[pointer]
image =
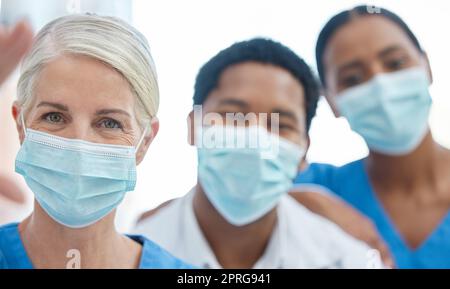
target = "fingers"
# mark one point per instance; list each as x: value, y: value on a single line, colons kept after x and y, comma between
x: 22, y: 39
x: 14, y: 43
x: 385, y: 254
x: 2, y: 33
x: 374, y: 240
x: 11, y: 190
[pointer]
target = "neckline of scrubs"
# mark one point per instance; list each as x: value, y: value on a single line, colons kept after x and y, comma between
x: 389, y: 223
x: 19, y: 253
x: 23, y: 261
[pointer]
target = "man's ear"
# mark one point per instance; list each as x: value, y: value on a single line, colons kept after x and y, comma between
x: 303, y: 164
x: 191, y: 128
x: 428, y: 67
x: 148, y: 139
x: 16, y: 111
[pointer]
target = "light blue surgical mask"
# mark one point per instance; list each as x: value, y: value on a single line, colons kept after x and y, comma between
x: 390, y: 111
x: 76, y: 182
x: 245, y: 182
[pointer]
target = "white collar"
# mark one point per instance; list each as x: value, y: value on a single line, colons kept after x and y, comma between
x: 201, y: 251
x: 300, y: 239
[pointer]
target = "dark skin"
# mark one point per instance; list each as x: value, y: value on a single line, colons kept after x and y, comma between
x: 253, y: 238
x: 241, y: 88
x: 413, y: 189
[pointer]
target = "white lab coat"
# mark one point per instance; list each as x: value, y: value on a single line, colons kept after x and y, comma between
x: 300, y: 239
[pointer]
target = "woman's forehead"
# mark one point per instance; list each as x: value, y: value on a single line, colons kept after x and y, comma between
x: 365, y: 36
x: 82, y: 80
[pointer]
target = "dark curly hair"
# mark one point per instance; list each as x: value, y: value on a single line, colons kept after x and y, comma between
x: 264, y: 51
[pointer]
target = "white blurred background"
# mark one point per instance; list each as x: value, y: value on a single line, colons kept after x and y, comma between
x: 185, y: 34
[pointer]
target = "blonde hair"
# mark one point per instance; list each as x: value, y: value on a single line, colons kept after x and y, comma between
x: 107, y: 39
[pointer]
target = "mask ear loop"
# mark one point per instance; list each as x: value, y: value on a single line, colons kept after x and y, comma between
x: 142, y: 137
x: 22, y: 120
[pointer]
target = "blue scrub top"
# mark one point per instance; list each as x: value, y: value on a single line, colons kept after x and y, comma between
x: 14, y: 256
x: 351, y: 183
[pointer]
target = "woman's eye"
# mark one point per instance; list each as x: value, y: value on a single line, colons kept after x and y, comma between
x: 53, y: 117
x: 351, y: 80
x: 110, y: 124
x: 396, y: 64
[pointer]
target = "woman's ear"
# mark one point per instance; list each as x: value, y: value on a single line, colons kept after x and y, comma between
x: 147, y: 140
x: 329, y: 92
x: 16, y: 110
x: 191, y: 128
x: 332, y: 104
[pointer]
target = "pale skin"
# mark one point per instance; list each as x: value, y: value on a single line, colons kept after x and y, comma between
x: 14, y: 43
x: 414, y: 189
x: 81, y: 98
x: 241, y: 88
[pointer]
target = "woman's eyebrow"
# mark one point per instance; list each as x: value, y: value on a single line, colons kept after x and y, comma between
x: 111, y: 110
x: 54, y: 105
x: 389, y: 50
x: 355, y: 64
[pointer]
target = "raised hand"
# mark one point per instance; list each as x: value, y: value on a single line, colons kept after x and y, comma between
x: 14, y: 43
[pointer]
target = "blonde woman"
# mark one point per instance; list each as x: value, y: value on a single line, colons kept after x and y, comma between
x: 86, y: 115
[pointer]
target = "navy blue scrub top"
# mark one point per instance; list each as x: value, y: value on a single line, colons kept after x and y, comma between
x: 14, y: 256
x: 352, y: 184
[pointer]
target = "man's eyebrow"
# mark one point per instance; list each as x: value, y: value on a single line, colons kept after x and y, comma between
x: 232, y: 101
x: 54, y: 105
x: 286, y: 113
x: 110, y: 111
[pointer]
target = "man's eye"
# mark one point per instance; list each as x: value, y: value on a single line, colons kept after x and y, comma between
x: 287, y: 127
x: 53, y: 117
x: 110, y: 124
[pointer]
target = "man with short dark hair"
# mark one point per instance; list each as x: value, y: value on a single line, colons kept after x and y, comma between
x: 253, y: 106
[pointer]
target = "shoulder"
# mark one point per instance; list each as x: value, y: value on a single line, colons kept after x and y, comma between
x: 328, y: 175
x: 351, y: 167
x: 155, y: 257
x: 7, y: 233
x: 321, y: 239
x: 3, y: 264
x: 152, y: 212
x: 315, y: 173
x: 156, y: 225
x: 8, y: 227
x: 315, y: 170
